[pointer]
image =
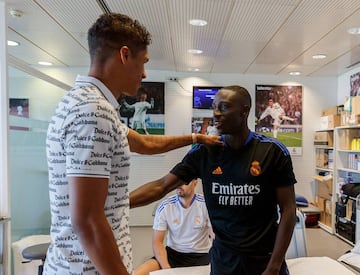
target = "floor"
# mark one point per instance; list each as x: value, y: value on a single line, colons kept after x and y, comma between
x: 319, y: 243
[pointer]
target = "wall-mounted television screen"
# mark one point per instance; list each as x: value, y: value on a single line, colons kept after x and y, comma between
x: 203, y: 96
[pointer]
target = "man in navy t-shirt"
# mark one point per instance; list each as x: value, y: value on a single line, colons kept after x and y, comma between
x: 246, y: 183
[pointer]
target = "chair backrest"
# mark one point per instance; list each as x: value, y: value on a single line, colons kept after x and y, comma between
x: 297, y: 247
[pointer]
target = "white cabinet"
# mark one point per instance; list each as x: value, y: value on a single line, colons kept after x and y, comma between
x: 347, y: 170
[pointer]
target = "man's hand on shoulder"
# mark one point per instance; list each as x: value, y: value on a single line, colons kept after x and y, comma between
x: 209, y: 139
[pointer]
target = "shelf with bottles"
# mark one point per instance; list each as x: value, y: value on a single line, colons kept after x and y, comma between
x: 348, y: 138
x: 348, y: 148
x: 348, y: 160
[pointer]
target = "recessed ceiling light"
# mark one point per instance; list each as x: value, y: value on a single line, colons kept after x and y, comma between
x: 319, y: 56
x: 195, y: 51
x: 12, y: 43
x: 354, y: 30
x: 198, y: 22
x: 295, y: 73
x: 44, y: 63
x: 193, y: 69
x: 16, y: 13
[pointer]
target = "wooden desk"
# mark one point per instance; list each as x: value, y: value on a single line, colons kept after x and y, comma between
x: 297, y: 266
x: 194, y: 270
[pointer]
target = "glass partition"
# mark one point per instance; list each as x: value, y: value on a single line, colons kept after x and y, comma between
x: 31, y: 104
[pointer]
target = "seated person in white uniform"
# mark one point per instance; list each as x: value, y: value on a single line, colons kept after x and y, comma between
x: 184, y: 218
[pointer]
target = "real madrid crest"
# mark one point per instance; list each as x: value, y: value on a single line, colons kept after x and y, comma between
x: 255, y: 168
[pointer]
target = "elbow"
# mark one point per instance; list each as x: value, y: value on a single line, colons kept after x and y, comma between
x: 80, y: 226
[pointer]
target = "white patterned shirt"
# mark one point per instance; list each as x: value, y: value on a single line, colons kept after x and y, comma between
x: 87, y: 139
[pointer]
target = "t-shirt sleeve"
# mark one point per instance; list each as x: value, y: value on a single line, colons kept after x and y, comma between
x: 188, y: 169
x: 88, y: 141
x: 284, y: 175
x: 160, y: 222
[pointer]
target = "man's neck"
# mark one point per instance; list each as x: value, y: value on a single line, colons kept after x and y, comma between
x: 186, y: 201
x: 237, y: 141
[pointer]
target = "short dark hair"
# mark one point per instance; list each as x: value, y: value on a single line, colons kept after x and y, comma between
x: 241, y: 93
x: 112, y: 31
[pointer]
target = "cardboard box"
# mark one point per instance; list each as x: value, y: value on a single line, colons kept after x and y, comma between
x: 320, y: 203
x: 325, y: 189
x: 328, y: 218
x: 354, y: 119
x: 328, y: 207
x: 322, y: 158
x: 336, y: 110
x: 349, y: 208
x: 324, y: 138
x: 329, y: 122
x: 345, y: 118
x: 355, y: 105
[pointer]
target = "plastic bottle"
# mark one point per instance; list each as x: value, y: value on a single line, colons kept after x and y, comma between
x: 353, y: 143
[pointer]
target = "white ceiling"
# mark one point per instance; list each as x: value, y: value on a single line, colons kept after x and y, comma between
x: 242, y: 36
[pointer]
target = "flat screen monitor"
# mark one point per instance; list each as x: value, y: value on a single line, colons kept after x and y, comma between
x: 203, y: 96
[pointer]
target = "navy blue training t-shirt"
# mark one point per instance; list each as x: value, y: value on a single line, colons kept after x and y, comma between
x: 239, y: 188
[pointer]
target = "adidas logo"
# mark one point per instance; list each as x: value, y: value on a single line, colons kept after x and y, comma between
x: 217, y: 171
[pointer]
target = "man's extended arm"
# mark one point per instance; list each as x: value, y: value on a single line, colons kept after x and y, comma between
x: 154, y: 190
x: 157, y: 144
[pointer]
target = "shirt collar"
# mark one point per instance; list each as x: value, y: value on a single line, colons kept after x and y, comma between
x: 82, y: 80
x: 249, y: 137
x: 192, y: 200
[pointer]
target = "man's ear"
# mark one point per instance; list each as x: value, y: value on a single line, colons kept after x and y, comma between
x: 124, y: 53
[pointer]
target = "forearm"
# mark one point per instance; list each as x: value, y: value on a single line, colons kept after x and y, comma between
x: 154, y: 190
x: 164, y: 144
x: 283, y: 238
x: 161, y: 255
x: 99, y: 244
x: 157, y: 144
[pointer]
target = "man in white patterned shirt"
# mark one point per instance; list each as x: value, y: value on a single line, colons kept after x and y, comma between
x: 88, y: 154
